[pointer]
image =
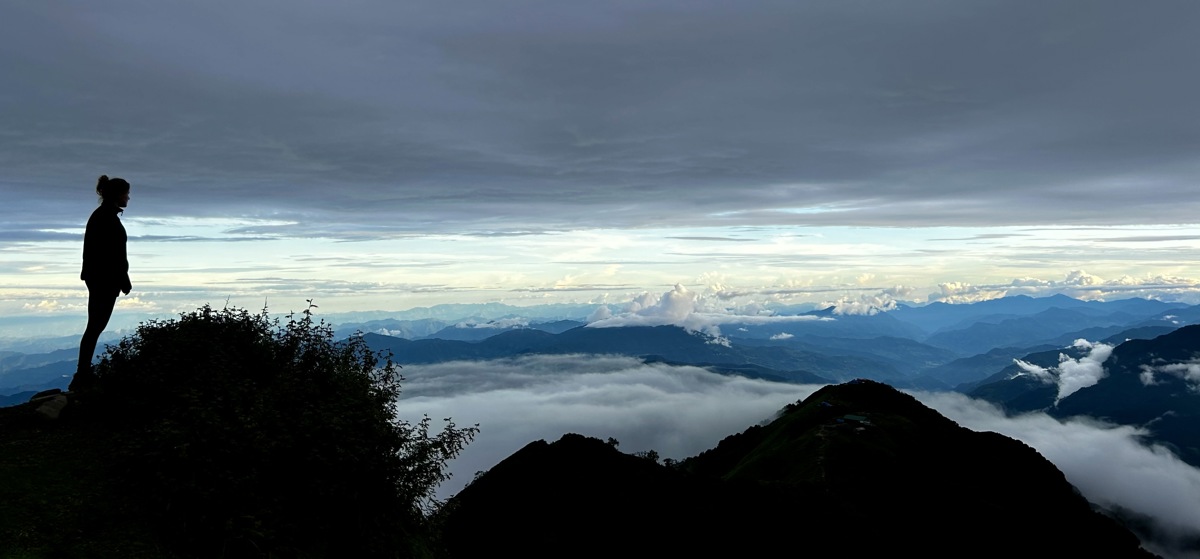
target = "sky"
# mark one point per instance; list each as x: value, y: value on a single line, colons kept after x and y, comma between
x: 388, y: 155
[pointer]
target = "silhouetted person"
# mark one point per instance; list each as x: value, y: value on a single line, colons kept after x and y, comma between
x: 105, y: 270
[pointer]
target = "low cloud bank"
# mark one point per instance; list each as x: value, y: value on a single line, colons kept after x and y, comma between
x: 871, y: 303
x: 1077, y: 284
x: 705, y: 311
x: 677, y: 411
x: 1106, y: 463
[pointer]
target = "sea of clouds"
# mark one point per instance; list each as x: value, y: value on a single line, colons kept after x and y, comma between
x: 677, y: 411
x: 680, y: 411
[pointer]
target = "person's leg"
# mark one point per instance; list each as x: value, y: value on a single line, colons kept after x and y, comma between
x: 101, y: 300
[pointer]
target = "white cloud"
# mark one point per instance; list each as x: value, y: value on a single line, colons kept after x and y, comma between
x: 959, y: 292
x: 1072, y: 375
x: 136, y: 303
x: 1082, y: 278
x: 690, y: 310
x: 1041, y: 373
x: 782, y: 336
x: 1031, y: 282
x: 867, y: 303
x: 52, y: 305
x: 495, y: 324
x: 1107, y: 463
x: 601, y: 313
x: 1188, y: 371
x: 1080, y: 285
x: 1076, y: 374
x: 1076, y: 283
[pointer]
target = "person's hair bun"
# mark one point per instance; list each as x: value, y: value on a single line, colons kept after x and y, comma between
x: 102, y: 184
x: 115, y: 186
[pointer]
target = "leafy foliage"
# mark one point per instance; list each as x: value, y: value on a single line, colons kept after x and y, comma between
x: 250, y: 434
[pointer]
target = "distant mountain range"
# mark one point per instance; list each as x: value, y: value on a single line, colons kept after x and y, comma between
x: 840, y: 348
x: 933, y: 347
x: 972, y: 348
x: 24, y: 374
x: 944, y: 317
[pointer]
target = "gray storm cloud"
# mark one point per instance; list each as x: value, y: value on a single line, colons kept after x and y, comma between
x: 425, y: 115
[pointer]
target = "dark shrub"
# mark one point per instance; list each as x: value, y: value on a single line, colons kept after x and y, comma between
x: 251, y: 437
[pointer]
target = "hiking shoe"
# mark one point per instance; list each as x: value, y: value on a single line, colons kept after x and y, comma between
x: 83, y: 380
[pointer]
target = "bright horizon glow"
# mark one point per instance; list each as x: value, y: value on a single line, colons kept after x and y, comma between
x: 740, y: 266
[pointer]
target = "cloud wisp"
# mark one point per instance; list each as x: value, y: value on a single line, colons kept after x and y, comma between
x: 1072, y: 375
x: 1188, y: 371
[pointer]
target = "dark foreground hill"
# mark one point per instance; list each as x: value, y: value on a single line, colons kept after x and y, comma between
x: 223, y: 434
x: 858, y: 470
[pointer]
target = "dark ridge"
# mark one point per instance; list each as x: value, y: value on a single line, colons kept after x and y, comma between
x: 859, y: 468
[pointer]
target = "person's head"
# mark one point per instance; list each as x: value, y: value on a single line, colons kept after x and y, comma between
x: 113, y: 191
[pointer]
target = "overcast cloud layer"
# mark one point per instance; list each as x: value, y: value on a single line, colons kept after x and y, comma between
x: 525, y: 150
x: 426, y: 116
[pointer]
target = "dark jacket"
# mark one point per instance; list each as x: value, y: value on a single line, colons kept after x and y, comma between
x: 104, y: 258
